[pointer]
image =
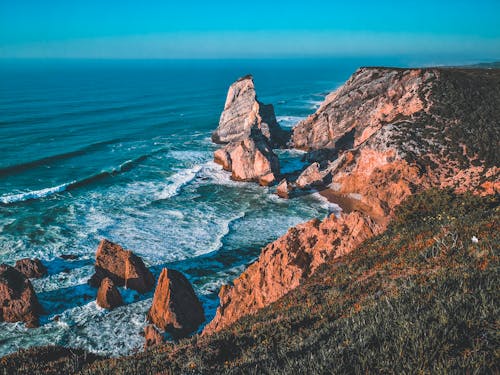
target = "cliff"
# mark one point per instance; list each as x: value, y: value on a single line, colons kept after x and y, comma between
x: 388, y: 133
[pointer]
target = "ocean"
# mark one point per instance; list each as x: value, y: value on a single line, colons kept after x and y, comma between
x: 121, y: 150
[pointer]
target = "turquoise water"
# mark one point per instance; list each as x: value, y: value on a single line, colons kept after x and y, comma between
x: 121, y: 150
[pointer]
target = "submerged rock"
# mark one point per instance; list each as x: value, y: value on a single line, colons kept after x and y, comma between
x: 18, y: 301
x: 175, y: 308
x: 243, y: 113
x: 122, y: 266
x: 108, y: 296
x: 152, y: 336
x: 31, y: 268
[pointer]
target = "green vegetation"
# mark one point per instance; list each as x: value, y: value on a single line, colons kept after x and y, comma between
x: 421, y: 298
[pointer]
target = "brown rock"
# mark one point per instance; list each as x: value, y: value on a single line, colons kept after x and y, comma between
x: 283, y: 264
x: 312, y: 176
x: 108, y: 296
x: 152, y: 336
x: 31, y: 268
x: 249, y: 160
x: 243, y: 113
x: 283, y: 189
x: 175, y: 308
x: 18, y: 301
x: 122, y: 266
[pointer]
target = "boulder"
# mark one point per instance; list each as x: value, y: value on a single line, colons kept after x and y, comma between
x: 108, y: 296
x: 251, y: 159
x: 311, y: 176
x: 175, y: 309
x: 122, y: 266
x: 152, y: 336
x: 283, y: 189
x: 243, y: 112
x: 31, y: 268
x: 18, y: 301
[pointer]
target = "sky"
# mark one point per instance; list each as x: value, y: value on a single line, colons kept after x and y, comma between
x: 126, y: 29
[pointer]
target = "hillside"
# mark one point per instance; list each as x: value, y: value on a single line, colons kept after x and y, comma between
x: 420, y: 298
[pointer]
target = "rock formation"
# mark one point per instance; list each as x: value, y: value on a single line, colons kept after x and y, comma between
x: 152, y: 337
x: 251, y: 159
x: 18, y: 301
x: 243, y: 113
x: 385, y: 134
x: 122, y: 266
x: 283, y: 264
x: 175, y: 308
x: 396, y: 131
x: 31, y: 268
x: 108, y: 296
x: 283, y: 189
x: 249, y: 131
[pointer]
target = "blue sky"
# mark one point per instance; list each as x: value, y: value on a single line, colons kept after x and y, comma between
x: 240, y: 29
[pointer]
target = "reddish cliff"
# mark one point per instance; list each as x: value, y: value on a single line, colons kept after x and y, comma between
x: 284, y: 263
x: 385, y: 134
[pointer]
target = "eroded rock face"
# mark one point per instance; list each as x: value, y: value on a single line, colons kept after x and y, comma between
x: 243, y: 113
x: 18, y: 301
x: 283, y: 189
x: 175, y: 309
x: 397, y: 131
x: 152, y: 337
x: 108, y: 296
x: 283, y: 264
x: 123, y: 267
x: 31, y: 268
x: 387, y: 133
x: 251, y: 159
x: 249, y: 131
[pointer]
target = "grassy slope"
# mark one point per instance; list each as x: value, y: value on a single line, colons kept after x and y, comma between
x: 421, y: 298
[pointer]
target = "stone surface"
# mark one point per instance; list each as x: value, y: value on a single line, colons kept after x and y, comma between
x: 243, y: 113
x: 175, y: 308
x: 392, y: 132
x: 18, y: 301
x: 283, y: 264
x: 152, y: 337
x: 312, y: 176
x: 283, y: 189
x: 122, y: 266
x: 31, y: 268
x: 251, y: 159
x: 108, y: 296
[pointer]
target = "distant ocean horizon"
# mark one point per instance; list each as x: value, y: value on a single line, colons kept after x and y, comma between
x: 121, y: 150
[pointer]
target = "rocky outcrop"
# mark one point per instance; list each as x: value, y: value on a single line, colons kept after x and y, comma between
x: 152, y: 337
x: 283, y: 189
x: 175, y: 308
x: 123, y: 267
x: 251, y: 159
x: 108, y: 295
x: 243, y: 114
x: 391, y: 132
x: 312, y: 176
x: 283, y: 264
x: 385, y: 134
x: 18, y: 301
x: 31, y: 268
x: 249, y: 131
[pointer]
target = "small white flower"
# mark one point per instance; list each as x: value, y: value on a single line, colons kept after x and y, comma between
x: 475, y: 239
